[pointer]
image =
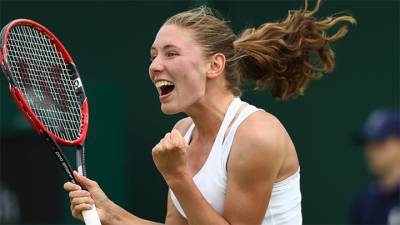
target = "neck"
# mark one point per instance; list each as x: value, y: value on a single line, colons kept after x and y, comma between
x: 208, y: 115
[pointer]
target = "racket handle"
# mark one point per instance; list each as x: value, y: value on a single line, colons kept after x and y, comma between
x: 91, y: 217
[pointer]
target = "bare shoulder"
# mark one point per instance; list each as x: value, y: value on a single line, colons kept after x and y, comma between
x: 183, y: 125
x: 255, y: 160
x: 260, y: 140
x: 262, y: 129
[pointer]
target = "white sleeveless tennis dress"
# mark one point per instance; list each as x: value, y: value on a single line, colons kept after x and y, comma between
x: 284, y: 207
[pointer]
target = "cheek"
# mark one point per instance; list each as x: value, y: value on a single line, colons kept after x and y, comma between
x: 193, y: 80
x: 372, y: 157
x: 381, y: 158
x: 189, y: 90
x: 194, y: 84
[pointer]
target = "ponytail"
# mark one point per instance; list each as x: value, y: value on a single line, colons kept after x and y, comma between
x: 284, y: 57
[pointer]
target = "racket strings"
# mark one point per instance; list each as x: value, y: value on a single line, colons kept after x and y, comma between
x: 42, y: 76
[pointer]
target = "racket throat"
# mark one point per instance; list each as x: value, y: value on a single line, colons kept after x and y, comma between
x: 60, y: 156
x: 80, y: 159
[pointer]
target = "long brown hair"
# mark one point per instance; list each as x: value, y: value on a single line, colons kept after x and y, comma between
x: 282, y: 57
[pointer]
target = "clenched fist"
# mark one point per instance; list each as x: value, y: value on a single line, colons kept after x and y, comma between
x: 169, y: 155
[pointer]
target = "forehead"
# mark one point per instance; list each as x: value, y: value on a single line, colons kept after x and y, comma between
x: 173, y: 35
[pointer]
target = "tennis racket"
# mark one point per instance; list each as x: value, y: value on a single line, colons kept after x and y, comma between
x: 45, y: 84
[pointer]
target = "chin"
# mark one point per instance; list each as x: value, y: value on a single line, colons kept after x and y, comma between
x: 169, y: 110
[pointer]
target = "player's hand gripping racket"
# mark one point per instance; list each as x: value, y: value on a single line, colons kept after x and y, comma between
x: 46, y: 86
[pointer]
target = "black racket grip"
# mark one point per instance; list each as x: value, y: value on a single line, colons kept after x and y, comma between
x: 80, y: 162
x: 60, y: 157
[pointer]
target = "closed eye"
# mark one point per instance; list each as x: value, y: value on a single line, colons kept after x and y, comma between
x: 171, y: 54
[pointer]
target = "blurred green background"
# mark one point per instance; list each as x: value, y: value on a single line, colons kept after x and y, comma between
x: 110, y: 41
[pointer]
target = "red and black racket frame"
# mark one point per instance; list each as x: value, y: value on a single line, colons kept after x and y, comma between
x: 50, y: 138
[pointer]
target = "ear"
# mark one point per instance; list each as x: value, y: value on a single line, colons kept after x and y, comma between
x: 217, y: 65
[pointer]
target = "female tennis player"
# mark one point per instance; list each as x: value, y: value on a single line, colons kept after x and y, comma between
x: 228, y: 162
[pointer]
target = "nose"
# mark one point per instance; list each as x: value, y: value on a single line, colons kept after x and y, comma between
x: 155, y: 67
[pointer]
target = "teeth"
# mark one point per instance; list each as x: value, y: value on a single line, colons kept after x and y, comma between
x: 163, y: 83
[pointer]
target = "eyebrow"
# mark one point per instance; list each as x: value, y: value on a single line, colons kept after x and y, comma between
x: 165, y: 47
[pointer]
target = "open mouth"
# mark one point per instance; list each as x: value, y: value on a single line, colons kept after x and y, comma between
x: 164, y: 87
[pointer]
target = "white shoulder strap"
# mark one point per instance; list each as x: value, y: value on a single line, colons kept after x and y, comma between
x: 226, y: 146
x: 230, y: 114
x: 188, y: 134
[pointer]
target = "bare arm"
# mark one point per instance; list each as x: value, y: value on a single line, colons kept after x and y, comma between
x: 173, y: 216
x: 109, y: 212
x: 253, y: 167
x: 256, y: 157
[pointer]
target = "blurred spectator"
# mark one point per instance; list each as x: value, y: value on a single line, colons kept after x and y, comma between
x: 379, y: 202
x: 9, y: 206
